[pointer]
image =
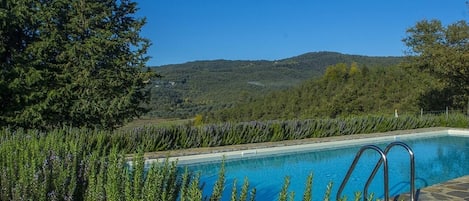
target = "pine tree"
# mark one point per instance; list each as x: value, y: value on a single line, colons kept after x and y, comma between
x: 71, y: 62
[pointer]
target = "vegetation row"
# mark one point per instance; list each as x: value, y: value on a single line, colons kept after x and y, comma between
x: 84, y: 164
x: 155, y: 138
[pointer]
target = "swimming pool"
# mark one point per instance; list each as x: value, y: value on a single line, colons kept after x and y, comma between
x: 439, y: 157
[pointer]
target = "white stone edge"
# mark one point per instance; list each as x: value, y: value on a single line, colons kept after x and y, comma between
x: 204, y: 158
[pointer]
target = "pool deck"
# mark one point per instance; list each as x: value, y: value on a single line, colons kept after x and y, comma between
x: 457, y: 189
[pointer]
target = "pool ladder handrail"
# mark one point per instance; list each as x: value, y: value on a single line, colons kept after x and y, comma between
x: 383, y: 159
x: 354, y: 163
x: 412, y: 168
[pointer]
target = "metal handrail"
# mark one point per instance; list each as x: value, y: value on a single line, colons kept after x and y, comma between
x: 412, y: 168
x: 354, y: 163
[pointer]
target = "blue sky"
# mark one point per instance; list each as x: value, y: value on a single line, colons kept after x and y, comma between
x: 190, y: 30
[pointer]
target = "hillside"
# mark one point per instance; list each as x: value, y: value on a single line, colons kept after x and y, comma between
x: 185, y: 90
x: 344, y: 90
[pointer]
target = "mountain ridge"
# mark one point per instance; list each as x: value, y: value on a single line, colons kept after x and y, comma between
x: 303, y: 55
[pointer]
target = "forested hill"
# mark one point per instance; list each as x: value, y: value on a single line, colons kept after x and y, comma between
x: 185, y: 90
x: 344, y: 90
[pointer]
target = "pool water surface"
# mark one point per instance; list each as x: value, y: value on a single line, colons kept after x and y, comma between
x: 437, y: 159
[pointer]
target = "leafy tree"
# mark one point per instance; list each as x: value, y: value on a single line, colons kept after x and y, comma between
x: 336, y: 72
x: 354, y: 69
x: 442, y: 51
x: 71, y: 62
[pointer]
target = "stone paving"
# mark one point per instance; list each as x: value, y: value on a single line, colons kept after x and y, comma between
x: 454, y: 190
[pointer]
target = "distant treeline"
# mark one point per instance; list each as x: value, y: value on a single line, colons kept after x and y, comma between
x: 344, y: 90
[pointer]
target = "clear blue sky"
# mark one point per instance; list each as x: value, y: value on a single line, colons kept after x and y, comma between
x: 189, y: 30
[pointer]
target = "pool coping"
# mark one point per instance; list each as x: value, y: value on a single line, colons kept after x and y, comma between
x: 200, y: 155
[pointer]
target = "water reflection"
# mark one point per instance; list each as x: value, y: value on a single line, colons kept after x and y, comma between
x: 436, y: 160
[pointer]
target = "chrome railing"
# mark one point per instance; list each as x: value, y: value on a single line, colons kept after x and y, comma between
x: 383, y: 159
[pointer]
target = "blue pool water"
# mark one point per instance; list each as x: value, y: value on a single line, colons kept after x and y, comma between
x: 437, y: 159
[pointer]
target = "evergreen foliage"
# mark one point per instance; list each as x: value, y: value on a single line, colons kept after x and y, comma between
x: 284, y: 192
x: 308, y: 194
x: 219, y: 185
x: 327, y: 195
x: 71, y: 62
x: 244, y: 190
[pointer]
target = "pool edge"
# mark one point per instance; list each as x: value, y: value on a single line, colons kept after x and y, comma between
x: 245, y: 151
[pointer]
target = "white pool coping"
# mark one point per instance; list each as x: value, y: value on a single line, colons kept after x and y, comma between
x: 203, y: 158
